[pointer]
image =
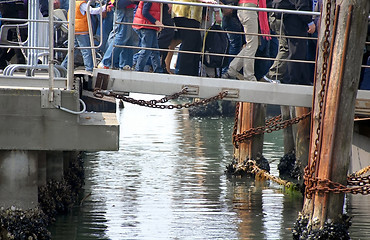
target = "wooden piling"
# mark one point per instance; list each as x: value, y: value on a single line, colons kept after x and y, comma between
x: 250, y: 115
x: 333, y: 134
x: 302, y: 141
x: 288, y: 131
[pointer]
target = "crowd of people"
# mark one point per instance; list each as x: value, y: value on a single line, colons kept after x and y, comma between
x: 152, y: 25
x: 150, y: 19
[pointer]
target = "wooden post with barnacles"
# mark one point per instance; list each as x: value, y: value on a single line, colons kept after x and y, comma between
x: 288, y: 131
x: 342, y: 33
x: 302, y: 141
x: 250, y: 115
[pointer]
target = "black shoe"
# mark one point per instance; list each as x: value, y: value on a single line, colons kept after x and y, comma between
x: 227, y: 76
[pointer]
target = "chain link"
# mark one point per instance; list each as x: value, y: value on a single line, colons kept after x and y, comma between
x: 310, y: 180
x: 158, y: 103
x: 313, y: 184
x: 235, y: 130
x: 272, y: 124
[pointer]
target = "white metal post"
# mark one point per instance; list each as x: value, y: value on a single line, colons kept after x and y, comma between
x: 71, y: 43
x: 51, y: 50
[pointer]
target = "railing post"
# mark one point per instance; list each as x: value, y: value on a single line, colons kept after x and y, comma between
x: 51, y: 50
x: 71, y: 44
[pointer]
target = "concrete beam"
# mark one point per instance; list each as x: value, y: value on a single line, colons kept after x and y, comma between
x: 38, y: 81
x: 25, y: 125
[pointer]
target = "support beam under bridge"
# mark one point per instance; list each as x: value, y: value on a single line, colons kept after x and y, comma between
x: 202, y: 87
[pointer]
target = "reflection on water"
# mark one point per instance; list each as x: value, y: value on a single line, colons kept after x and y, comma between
x: 167, y: 181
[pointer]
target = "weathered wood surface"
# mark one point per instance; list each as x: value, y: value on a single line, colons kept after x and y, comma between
x: 338, y: 110
x: 302, y: 140
x: 250, y: 115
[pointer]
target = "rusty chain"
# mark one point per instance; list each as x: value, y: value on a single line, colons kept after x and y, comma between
x: 309, y: 179
x: 158, y: 103
x: 235, y: 129
x: 272, y: 124
x: 314, y: 184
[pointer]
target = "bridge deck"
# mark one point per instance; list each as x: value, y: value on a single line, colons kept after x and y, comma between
x: 202, y: 87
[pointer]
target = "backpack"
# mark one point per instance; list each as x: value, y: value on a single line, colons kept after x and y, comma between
x: 215, y: 42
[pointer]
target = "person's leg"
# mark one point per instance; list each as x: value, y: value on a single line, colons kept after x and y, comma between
x: 116, y: 37
x: 155, y: 56
x: 65, y: 61
x: 166, y: 35
x: 279, y: 68
x: 249, y: 20
x: 84, y: 41
x: 365, y: 81
x: 169, y: 56
x: 298, y: 72
x: 235, y: 40
x: 107, y: 28
x: 191, y: 41
x: 125, y: 37
x: 146, y: 41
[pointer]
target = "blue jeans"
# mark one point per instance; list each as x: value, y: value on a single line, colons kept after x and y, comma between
x: 148, y: 39
x: 124, y: 36
x: 365, y: 79
x: 82, y: 41
x: 236, y: 41
x: 107, y: 28
x: 64, y: 4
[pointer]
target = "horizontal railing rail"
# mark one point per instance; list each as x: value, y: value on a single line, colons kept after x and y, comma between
x: 283, y: 12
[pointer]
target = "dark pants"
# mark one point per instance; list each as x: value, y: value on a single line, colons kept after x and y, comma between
x: 298, y: 73
x: 166, y: 35
x: 191, y: 41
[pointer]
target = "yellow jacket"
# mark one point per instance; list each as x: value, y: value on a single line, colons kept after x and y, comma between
x: 187, y: 11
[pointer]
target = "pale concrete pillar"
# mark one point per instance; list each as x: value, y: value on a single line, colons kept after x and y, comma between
x: 18, y: 179
x: 54, y: 165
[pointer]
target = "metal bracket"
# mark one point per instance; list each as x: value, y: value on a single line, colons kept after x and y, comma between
x: 102, y: 81
x: 231, y: 92
x: 57, y: 98
x: 191, y: 89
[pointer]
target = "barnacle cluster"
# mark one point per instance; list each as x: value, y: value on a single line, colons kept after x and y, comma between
x: 23, y: 224
x: 330, y: 230
x: 245, y: 169
x: 287, y: 166
x: 57, y: 197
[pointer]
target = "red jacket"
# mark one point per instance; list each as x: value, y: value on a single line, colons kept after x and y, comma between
x: 249, y: 1
x: 155, y: 11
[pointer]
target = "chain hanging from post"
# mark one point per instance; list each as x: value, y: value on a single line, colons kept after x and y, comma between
x: 314, y: 184
x: 235, y: 129
x: 155, y: 103
x: 309, y: 171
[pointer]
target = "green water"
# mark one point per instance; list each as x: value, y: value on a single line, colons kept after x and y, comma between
x: 167, y: 181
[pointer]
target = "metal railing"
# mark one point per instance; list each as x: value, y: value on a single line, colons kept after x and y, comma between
x: 34, y: 50
x: 283, y: 12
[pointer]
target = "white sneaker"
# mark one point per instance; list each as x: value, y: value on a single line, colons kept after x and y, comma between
x: 101, y: 66
x: 270, y: 80
x: 126, y: 67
